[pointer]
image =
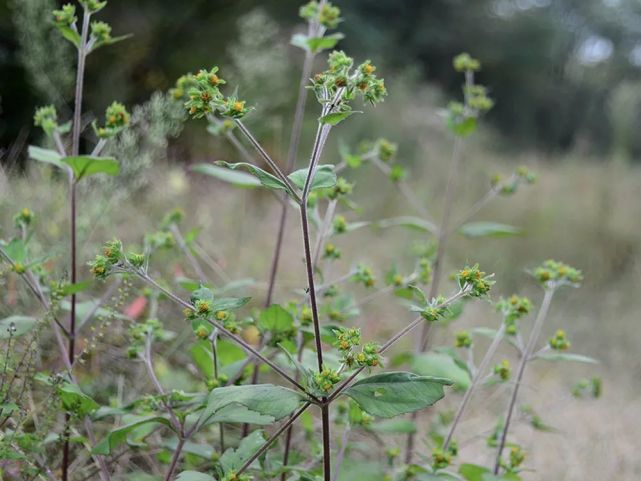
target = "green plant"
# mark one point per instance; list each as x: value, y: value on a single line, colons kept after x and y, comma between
x: 207, y: 431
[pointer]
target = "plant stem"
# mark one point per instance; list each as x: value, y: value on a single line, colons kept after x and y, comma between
x: 475, y: 381
x: 175, y: 458
x: 534, y: 336
x: 75, y: 148
x: 292, y: 153
x: 327, y: 454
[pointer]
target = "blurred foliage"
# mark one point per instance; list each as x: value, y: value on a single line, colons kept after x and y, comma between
x: 563, y: 72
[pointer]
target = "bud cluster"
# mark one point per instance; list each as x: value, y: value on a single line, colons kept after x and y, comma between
x: 364, y: 275
x: 23, y: 218
x: 324, y: 381
x: 503, y: 370
x: 513, y: 308
x: 559, y: 342
x: 116, y: 120
x: 553, y: 273
x: 463, y: 339
x: 478, y: 282
x: 204, y: 95
x: 47, y: 119
x: 340, y: 79
x: 324, y: 14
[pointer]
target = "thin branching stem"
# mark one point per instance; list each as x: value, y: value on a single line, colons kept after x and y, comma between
x: 75, y: 148
x: 240, y: 341
x: 534, y: 336
x: 489, y: 354
x: 273, y: 438
x: 266, y: 157
x: 411, y: 326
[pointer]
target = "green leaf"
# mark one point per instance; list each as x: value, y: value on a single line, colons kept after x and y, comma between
x: 233, y: 459
x: 318, y: 44
x: 201, y: 450
x: 463, y: 127
x: 441, y: 365
x: 70, y: 34
x: 336, y: 117
x: 74, y: 400
x: 239, y: 179
x: 566, y: 356
x: 488, y: 229
x: 229, y: 303
x: 69, y: 289
x: 20, y: 325
x: 119, y: 435
x: 390, y: 394
x: 408, y: 221
x: 86, y: 165
x: 474, y: 472
x: 324, y: 177
x: 47, y: 156
x: 394, y: 426
x: 265, y: 178
x: 300, y: 40
x: 276, y: 402
x: 194, y: 476
x: 275, y: 319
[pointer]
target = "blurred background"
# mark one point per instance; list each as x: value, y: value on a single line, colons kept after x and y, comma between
x: 566, y: 79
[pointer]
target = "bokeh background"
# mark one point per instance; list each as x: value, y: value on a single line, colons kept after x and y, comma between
x: 566, y: 79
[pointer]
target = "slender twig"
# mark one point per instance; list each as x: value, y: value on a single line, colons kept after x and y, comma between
x: 175, y: 458
x: 187, y: 251
x: 340, y: 457
x: 534, y: 336
x: 240, y: 341
x: 411, y: 326
x: 273, y: 438
x: 294, y: 142
x: 475, y: 382
x: 266, y: 157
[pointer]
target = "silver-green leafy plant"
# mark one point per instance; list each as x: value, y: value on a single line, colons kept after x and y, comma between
x: 228, y: 426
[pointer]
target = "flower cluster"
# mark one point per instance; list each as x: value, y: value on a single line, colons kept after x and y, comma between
x: 347, y: 340
x: 204, y: 95
x: 116, y: 120
x: 461, y: 117
x: 364, y: 275
x: 522, y: 175
x: 103, y: 264
x: 339, y: 224
x: 463, y: 339
x: 47, y: 119
x: 341, y: 188
x: 23, y: 218
x: 138, y: 332
x: 331, y: 251
x: 65, y: 17
x: 559, y: 342
x: 100, y: 33
x: 340, y: 84
x: 503, y: 370
x: 435, y: 309
x: 513, y: 308
x: 93, y: 6
x: 553, y: 273
x: 478, y: 282
x: 324, y: 381
x: 326, y: 14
